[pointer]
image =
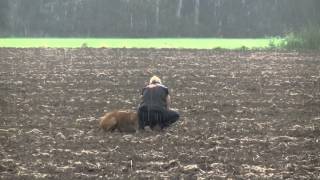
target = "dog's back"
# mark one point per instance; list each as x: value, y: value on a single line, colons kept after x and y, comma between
x: 124, y: 121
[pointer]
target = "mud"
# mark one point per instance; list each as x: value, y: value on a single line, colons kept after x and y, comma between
x: 244, y: 114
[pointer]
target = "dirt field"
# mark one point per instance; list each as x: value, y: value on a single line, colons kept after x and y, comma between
x: 244, y: 115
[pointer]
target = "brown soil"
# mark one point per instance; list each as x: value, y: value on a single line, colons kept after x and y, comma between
x: 244, y: 115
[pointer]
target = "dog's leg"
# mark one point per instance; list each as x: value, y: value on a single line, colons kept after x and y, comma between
x: 113, y: 128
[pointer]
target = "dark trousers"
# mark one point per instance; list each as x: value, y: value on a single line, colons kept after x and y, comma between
x: 152, y: 118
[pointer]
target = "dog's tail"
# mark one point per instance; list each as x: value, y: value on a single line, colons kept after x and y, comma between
x: 100, y: 124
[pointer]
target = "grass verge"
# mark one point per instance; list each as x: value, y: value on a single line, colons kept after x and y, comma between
x: 186, y: 43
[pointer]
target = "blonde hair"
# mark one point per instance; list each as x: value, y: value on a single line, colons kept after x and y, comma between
x: 155, y: 79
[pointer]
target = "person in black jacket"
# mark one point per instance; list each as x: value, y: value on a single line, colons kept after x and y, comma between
x: 154, y: 110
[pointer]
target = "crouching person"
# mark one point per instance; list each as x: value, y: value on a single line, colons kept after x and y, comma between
x: 154, y: 110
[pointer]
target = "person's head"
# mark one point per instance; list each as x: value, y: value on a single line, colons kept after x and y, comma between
x: 155, y: 80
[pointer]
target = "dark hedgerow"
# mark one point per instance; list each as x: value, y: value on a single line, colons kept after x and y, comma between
x: 308, y: 38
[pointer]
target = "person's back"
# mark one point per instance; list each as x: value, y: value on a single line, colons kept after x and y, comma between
x: 154, y: 97
x: 154, y: 108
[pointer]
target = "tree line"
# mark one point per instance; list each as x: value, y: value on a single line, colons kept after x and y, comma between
x: 156, y: 18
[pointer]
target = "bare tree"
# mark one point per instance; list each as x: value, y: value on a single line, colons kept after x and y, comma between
x: 196, y: 12
x: 179, y: 7
x: 157, y: 13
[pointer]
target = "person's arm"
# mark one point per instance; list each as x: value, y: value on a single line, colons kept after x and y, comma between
x: 141, y: 95
x: 168, y: 101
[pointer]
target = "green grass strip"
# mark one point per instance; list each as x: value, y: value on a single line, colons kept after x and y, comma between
x: 188, y: 43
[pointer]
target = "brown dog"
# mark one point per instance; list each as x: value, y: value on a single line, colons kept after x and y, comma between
x: 124, y: 121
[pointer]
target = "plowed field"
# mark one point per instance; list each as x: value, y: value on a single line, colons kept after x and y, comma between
x: 244, y: 114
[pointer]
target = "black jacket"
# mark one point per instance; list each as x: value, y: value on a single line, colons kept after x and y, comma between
x: 154, y: 97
